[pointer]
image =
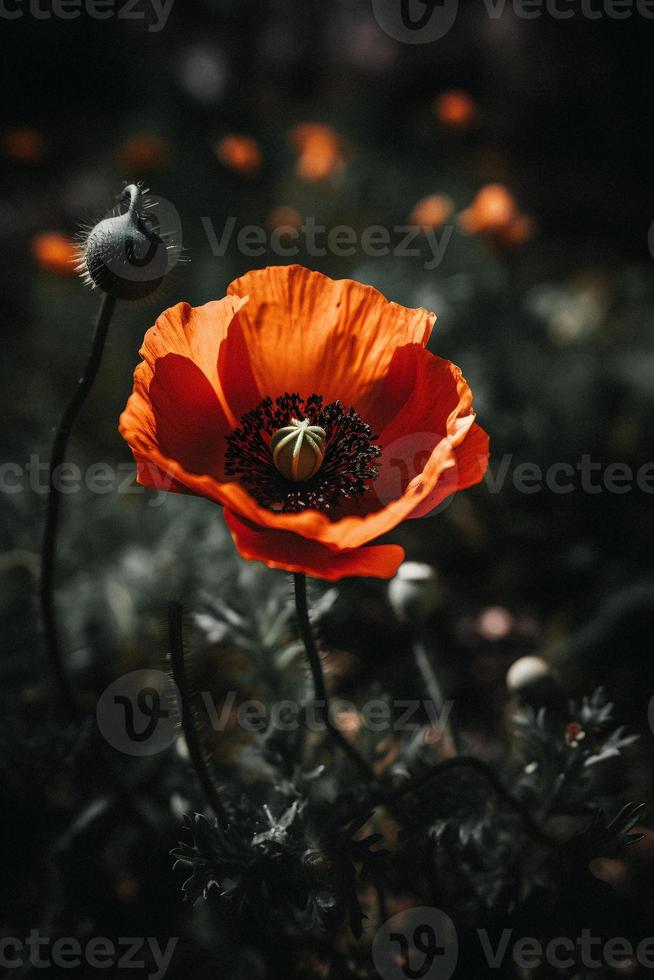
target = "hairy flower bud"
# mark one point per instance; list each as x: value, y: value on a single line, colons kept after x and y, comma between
x: 122, y: 256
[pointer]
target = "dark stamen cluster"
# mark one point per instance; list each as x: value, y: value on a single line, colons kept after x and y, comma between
x: 349, y: 463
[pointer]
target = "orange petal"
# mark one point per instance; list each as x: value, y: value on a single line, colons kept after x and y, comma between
x: 189, y: 421
x: 423, y: 401
x: 235, y: 372
x: 309, y: 334
x: 282, y: 549
x: 195, y: 333
x: 178, y: 404
x: 149, y: 475
x: 420, y: 392
x: 433, y: 483
x: 352, y: 531
x: 472, y: 457
x: 174, y: 412
x: 471, y: 464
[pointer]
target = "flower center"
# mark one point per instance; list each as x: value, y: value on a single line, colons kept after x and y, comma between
x: 298, y: 450
x: 295, y: 454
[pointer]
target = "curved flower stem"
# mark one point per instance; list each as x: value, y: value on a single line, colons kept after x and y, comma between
x: 177, y: 659
x: 300, y: 583
x: 49, y: 547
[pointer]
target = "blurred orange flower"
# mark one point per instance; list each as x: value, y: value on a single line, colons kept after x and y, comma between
x: 432, y: 211
x: 518, y: 232
x: 242, y: 154
x: 55, y: 253
x: 284, y: 217
x: 235, y: 398
x: 494, y: 214
x: 456, y: 110
x: 143, y: 154
x: 23, y: 144
x: 321, y: 149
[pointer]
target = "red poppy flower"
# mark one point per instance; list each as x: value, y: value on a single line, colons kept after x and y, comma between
x: 312, y: 411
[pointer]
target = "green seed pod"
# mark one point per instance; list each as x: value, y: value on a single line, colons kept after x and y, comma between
x: 299, y: 450
x: 415, y: 593
x: 122, y: 256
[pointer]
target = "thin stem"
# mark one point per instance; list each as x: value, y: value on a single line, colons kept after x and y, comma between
x: 198, y: 758
x: 382, y: 908
x: 433, y: 688
x: 393, y: 798
x: 49, y: 547
x: 300, y: 583
x: 470, y: 762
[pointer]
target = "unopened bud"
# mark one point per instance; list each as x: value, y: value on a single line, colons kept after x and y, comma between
x: 526, y: 671
x: 122, y: 256
x: 531, y: 681
x: 414, y: 593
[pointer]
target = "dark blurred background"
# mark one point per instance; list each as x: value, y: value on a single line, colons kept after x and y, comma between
x: 272, y: 113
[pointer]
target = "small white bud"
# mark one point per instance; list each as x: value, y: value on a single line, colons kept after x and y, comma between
x: 525, y: 672
x: 415, y: 592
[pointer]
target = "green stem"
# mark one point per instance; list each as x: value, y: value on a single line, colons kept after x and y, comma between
x: 195, y: 750
x: 300, y: 583
x: 49, y: 547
